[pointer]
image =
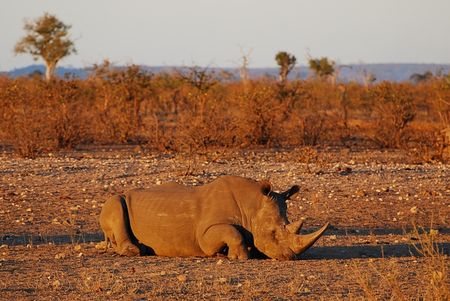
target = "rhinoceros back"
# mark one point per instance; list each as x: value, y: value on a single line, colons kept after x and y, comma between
x: 164, y: 218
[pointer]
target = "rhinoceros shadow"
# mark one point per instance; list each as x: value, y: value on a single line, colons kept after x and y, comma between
x: 383, y: 250
x: 368, y: 251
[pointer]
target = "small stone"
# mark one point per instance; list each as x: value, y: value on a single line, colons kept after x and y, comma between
x: 56, y: 284
x: 434, y: 232
x: 182, y: 278
x: 101, y: 245
x: 360, y: 193
x: 162, y: 273
x: 219, y: 262
x: 77, y: 247
x: 222, y: 280
x: 414, y: 210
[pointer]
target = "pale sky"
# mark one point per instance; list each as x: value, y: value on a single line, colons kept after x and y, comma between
x: 212, y: 32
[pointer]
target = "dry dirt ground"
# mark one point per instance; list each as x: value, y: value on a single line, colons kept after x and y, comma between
x: 49, y: 231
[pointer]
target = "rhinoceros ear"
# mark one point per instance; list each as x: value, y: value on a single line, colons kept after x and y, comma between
x: 293, y: 190
x: 266, y: 187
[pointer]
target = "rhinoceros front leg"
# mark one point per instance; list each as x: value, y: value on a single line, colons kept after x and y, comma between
x: 219, y: 236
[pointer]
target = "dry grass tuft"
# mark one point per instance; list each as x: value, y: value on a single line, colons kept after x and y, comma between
x: 385, y: 281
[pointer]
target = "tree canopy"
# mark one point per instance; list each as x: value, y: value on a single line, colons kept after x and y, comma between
x: 286, y: 62
x: 46, y: 38
x: 322, y: 67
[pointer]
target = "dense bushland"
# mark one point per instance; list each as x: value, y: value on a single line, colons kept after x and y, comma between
x: 195, y: 110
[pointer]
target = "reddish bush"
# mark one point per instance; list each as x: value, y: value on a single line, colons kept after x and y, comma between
x: 195, y: 110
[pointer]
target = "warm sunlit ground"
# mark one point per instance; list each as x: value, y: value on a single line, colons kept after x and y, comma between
x: 49, y: 209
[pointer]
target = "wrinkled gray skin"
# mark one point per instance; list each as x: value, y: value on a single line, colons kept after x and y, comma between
x: 232, y: 215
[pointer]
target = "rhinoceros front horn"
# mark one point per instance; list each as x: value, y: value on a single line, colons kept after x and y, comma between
x: 302, y: 242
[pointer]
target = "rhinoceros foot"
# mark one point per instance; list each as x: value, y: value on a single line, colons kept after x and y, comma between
x: 128, y: 249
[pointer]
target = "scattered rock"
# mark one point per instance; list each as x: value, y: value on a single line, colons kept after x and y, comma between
x: 222, y: 280
x: 101, y: 245
x: 182, y: 278
x: 434, y: 232
x: 56, y: 284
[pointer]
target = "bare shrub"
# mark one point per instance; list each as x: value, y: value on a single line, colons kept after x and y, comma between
x: 203, y: 122
x: 119, y: 99
x: 70, y: 117
x: 393, y: 110
x: 26, y: 118
x: 193, y: 109
x: 260, y: 115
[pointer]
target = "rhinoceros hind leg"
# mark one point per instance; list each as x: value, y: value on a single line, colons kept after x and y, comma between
x: 122, y: 243
x: 113, y: 225
x: 218, y: 236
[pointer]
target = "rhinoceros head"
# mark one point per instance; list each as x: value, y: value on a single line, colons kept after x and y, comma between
x: 273, y: 234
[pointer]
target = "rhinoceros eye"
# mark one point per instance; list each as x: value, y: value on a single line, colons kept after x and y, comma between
x: 273, y: 233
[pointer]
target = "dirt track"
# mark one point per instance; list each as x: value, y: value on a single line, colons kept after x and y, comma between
x: 49, y: 209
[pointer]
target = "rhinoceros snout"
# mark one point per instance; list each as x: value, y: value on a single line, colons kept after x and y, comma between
x: 286, y: 243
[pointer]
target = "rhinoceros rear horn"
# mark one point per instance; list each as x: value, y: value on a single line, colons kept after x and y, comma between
x: 266, y: 187
x: 294, y: 228
x: 303, y: 242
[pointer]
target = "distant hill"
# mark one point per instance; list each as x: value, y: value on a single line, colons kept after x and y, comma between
x: 352, y: 72
x: 390, y: 72
x: 60, y: 71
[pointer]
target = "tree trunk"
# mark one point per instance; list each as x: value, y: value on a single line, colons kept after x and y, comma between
x: 50, y: 70
x: 283, y: 74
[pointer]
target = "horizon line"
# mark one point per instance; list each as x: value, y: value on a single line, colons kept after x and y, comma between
x: 217, y: 67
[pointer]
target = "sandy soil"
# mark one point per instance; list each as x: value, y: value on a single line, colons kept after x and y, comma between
x: 49, y: 229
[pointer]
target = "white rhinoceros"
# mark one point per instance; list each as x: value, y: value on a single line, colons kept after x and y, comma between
x: 232, y: 215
